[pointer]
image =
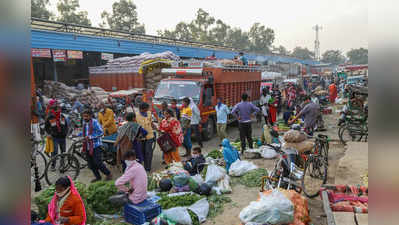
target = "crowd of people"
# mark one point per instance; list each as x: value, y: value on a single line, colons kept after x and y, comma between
x: 135, y: 138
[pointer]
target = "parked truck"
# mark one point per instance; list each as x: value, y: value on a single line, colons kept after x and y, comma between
x: 205, y: 83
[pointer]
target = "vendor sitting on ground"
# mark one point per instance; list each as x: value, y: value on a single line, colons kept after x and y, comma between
x: 230, y: 154
x: 193, y: 166
x: 66, y: 206
x: 136, y: 176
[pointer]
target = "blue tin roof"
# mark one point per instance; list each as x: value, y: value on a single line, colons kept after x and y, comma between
x: 73, y: 41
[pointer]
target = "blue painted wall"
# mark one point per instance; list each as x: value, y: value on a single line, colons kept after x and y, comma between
x: 71, y: 41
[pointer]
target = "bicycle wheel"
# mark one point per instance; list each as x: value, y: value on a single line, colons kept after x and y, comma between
x: 68, y: 165
x: 75, y: 149
x: 314, y: 176
x: 272, y: 182
x: 348, y: 134
x: 41, y: 162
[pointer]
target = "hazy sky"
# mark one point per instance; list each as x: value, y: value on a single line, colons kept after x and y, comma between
x: 344, y: 22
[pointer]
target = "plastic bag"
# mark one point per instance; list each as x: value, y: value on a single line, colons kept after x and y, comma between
x: 268, y: 152
x: 201, y: 208
x: 214, y: 173
x: 274, y: 209
x: 181, y: 180
x: 224, y: 185
x: 179, y: 215
x: 198, y: 178
x: 239, y: 168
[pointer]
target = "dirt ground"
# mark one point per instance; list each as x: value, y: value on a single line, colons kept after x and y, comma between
x: 242, y: 196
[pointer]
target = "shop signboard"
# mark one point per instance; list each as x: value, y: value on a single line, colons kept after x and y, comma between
x: 59, y: 55
x: 74, y: 54
x: 107, y: 56
x: 41, y: 52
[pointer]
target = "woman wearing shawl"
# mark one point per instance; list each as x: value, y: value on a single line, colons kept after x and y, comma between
x: 128, y: 138
x: 172, y: 126
x: 273, y: 104
x: 230, y: 154
x: 66, y: 207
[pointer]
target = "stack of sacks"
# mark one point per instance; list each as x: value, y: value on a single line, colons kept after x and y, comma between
x: 296, y: 140
x: 58, y: 90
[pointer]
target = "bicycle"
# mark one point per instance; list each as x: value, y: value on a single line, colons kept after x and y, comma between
x: 353, y: 129
x: 38, y: 161
x: 287, y: 173
x: 69, y: 166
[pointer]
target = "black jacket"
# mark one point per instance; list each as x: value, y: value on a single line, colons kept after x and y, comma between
x: 193, y: 165
x: 52, y: 129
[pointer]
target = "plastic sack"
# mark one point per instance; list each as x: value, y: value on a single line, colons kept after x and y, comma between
x: 266, y: 137
x: 198, y: 178
x: 179, y: 215
x: 201, y: 209
x: 268, y: 152
x: 239, y: 168
x: 214, y: 173
x: 180, y: 180
x: 224, y: 185
x: 294, y: 136
x: 274, y: 209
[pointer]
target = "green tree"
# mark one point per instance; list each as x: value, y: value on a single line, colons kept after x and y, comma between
x: 333, y: 56
x: 68, y: 10
x: 281, y: 50
x: 261, y: 38
x: 39, y: 9
x: 358, y: 56
x: 302, y: 53
x: 219, y: 32
x: 124, y: 17
x: 238, y: 39
x: 205, y: 28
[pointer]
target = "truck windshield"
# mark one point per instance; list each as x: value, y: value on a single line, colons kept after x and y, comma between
x: 178, y: 90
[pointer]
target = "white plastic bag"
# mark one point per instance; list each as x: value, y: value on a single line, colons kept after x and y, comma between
x: 214, y: 173
x: 268, y: 152
x: 274, y: 209
x: 198, y: 179
x: 179, y: 215
x: 224, y: 185
x: 239, y: 168
x: 201, y: 209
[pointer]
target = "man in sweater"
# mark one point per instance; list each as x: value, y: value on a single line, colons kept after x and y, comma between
x: 243, y: 111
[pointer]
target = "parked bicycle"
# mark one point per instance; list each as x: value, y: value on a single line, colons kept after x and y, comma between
x: 305, y: 172
x: 353, y: 129
x: 68, y: 165
x: 38, y: 164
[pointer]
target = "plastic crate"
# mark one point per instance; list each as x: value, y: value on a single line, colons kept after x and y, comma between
x: 141, y: 213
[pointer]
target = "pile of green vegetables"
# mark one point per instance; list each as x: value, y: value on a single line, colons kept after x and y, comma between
x: 194, y: 217
x: 216, y: 204
x: 98, y: 195
x: 151, y: 183
x: 253, y: 178
x: 215, y: 154
x: 167, y: 202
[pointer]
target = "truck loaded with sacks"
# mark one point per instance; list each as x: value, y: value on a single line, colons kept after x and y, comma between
x: 204, y: 82
x: 125, y: 73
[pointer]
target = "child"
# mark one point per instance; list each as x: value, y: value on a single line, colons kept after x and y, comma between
x: 193, y: 166
x: 230, y: 154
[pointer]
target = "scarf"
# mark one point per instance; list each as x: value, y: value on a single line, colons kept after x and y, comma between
x: 130, y: 129
x: 88, y: 144
x: 52, y: 206
x: 219, y: 104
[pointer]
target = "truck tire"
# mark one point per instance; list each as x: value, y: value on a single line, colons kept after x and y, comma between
x: 208, y: 129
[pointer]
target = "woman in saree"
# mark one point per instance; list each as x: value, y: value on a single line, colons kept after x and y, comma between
x: 171, y: 126
x: 66, y: 207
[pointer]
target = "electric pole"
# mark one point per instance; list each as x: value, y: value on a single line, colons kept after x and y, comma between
x: 317, y: 28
